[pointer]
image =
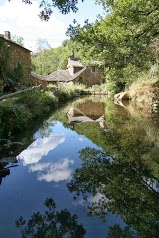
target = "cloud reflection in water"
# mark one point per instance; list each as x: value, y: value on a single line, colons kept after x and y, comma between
x: 53, y: 171
x: 39, y: 148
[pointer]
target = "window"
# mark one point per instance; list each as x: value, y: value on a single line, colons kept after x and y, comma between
x: 80, y: 80
x: 93, y: 69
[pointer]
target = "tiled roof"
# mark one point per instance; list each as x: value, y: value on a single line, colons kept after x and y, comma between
x: 59, y: 76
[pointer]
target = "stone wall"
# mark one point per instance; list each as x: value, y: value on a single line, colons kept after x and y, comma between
x: 90, y: 78
x: 17, y: 56
x: 21, y: 56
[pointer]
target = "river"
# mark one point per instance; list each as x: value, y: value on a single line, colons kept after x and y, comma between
x: 98, y: 160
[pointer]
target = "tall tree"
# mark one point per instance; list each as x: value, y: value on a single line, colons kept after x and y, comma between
x: 64, y: 6
x: 123, y: 39
x: 46, y: 61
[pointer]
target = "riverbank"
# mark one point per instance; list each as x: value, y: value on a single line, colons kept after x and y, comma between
x: 143, y: 92
x: 20, y: 111
x: 145, y: 95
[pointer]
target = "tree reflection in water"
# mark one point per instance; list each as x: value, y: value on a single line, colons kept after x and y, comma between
x: 129, y: 186
x: 3, y: 171
x: 52, y: 224
x: 5, y: 165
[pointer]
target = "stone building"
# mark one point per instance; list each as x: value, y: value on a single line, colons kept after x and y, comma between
x: 76, y: 73
x: 15, y: 61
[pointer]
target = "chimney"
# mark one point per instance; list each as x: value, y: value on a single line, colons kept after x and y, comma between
x: 7, y: 35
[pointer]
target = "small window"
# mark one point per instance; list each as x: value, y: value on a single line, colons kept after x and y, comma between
x: 80, y: 80
x: 93, y: 69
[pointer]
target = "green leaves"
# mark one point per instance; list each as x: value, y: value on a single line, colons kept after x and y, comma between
x: 127, y: 181
x: 52, y: 224
x: 123, y: 38
x: 64, y: 6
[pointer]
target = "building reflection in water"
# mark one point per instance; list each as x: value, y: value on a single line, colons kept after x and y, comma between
x: 87, y: 111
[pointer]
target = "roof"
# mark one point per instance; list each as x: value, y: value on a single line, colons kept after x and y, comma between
x: 58, y: 76
x: 10, y: 41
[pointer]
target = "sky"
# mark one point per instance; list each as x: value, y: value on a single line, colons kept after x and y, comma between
x: 22, y: 20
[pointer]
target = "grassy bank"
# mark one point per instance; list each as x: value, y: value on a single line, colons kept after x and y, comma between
x: 20, y: 112
x: 145, y: 90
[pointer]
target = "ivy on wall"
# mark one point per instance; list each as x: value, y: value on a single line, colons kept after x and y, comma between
x: 7, y: 70
x: 4, y: 60
x: 17, y: 74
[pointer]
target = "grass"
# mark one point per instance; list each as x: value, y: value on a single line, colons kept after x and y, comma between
x: 147, y: 79
x: 19, y: 112
x: 143, y: 90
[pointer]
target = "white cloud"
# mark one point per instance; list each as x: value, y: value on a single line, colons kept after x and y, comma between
x: 53, y: 171
x: 22, y: 20
x: 81, y: 139
x: 96, y: 198
x: 40, y: 148
x: 91, y: 199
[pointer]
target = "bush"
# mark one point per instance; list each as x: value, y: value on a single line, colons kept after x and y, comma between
x: 18, y: 113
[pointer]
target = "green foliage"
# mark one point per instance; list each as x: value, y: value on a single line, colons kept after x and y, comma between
x: 38, y: 102
x: 47, y: 7
x: 117, y: 232
x: 47, y: 61
x: 52, y: 224
x: 123, y: 40
x: 20, y: 111
x: 126, y: 175
x: 142, y: 89
x: 4, y: 60
x: 126, y: 40
x: 17, y: 74
x: 110, y: 86
x: 68, y: 91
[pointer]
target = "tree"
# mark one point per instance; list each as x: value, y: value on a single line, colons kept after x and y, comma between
x: 52, y: 224
x: 126, y: 176
x: 64, y: 6
x: 117, y: 232
x: 123, y: 39
x: 124, y: 187
x: 46, y: 61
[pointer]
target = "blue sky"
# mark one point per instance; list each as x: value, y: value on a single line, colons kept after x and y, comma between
x: 22, y: 20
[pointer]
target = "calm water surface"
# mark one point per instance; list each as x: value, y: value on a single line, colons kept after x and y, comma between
x: 92, y: 147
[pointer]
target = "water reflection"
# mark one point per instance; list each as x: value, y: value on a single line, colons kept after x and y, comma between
x: 52, y: 223
x: 85, y: 112
x: 40, y: 147
x: 125, y: 173
x: 124, y: 190
x: 6, y: 163
x: 116, y: 173
x: 53, y: 171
